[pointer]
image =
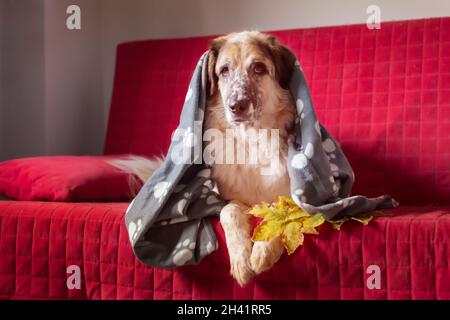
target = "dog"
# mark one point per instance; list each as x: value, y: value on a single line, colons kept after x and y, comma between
x: 248, y: 78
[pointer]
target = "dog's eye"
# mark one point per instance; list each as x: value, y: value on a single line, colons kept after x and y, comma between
x: 224, y: 71
x: 259, y: 68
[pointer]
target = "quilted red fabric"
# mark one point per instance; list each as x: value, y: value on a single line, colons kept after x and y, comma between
x: 40, y: 240
x: 65, y: 178
x: 384, y: 94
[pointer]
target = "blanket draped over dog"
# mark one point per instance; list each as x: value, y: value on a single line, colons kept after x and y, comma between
x: 168, y: 221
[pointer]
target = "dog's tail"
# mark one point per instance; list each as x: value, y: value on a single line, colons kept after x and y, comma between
x: 141, y: 167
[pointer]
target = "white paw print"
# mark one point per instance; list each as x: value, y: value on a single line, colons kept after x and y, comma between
x: 181, y: 205
x: 205, y: 173
x: 134, y: 228
x: 212, y: 199
x: 299, y: 161
x: 209, y: 184
x: 300, y: 106
x: 317, y: 126
x: 328, y: 145
x: 210, y: 247
x: 161, y: 189
x: 309, y: 150
x: 205, y: 191
x: 334, y: 167
x: 189, y: 94
x: 183, y: 252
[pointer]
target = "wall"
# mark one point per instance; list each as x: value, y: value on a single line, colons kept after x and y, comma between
x: 2, y: 28
x: 22, y: 122
x: 51, y: 80
x: 75, y: 115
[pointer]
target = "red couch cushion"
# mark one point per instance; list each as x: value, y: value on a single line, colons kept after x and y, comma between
x: 383, y: 94
x: 39, y: 241
x: 65, y: 178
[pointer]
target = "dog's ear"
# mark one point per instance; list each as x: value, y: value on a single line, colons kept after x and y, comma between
x: 214, y: 49
x: 284, y: 60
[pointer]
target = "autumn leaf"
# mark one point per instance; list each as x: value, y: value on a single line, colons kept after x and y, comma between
x: 264, y: 211
x: 337, y: 224
x: 310, y: 224
x: 363, y: 219
x: 267, y: 230
x: 284, y: 218
x: 292, y: 236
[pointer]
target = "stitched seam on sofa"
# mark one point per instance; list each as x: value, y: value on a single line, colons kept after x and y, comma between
x: 49, y: 252
x: 87, y: 213
x: 386, y: 231
x: 16, y: 250
x: 435, y: 257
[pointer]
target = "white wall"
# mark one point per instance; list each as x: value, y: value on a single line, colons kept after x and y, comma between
x: 56, y: 85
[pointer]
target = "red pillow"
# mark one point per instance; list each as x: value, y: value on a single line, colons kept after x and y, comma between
x: 66, y: 178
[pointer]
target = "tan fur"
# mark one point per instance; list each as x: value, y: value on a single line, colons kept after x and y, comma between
x: 142, y: 167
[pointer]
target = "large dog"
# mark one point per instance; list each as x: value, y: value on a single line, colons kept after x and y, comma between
x: 248, y: 75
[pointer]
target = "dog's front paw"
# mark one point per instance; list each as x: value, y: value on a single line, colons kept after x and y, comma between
x: 241, y: 270
x: 265, y: 255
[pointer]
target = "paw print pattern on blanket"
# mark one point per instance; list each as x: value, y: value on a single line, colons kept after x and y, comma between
x: 183, y: 252
x: 210, y: 247
x: 161, y: 189
x: 134, y: 228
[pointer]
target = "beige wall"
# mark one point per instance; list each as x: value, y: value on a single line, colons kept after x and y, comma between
x: 56, y: 85
x: 22, y: 122
x: 75, y: 118
x: 2, y: 28
x: 51, y: 99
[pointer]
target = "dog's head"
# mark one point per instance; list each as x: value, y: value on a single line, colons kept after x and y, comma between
x: 248, y: 72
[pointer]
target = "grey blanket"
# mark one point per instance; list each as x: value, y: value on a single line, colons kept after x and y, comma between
x: 168, y: 221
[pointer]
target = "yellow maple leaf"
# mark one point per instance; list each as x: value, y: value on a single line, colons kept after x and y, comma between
x: 292, y: 236
x: 285, y: 219
x: 310, y: 224
x: 267, y: 230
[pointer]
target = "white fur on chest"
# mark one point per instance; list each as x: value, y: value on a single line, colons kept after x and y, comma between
x: 245, y: 183
x: 254, y: 183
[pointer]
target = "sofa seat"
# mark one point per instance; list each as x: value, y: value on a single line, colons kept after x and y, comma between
x: 40, y: 240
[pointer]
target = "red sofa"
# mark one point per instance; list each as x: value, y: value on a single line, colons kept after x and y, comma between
x: 383, y: 94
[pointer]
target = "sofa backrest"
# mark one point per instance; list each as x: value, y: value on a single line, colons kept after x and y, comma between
x: 383, y: 94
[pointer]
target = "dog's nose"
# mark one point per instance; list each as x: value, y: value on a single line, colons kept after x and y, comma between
x: 240, y: 106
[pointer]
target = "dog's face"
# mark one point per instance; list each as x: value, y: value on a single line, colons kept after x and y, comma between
x: 247, y: 71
